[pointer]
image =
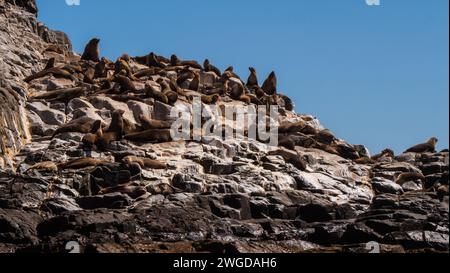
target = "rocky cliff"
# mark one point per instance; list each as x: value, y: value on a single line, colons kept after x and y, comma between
x: 68, y: 174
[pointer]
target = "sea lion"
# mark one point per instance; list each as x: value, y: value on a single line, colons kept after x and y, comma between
x: 146, y: 72
x: 117, y: 123
x: 64, y: 95
x: 252, y: 79
x: 148, y: 123
x: 195, y: 83
x: 81, y: 125
x: 91, y: 51
x: 208, y: 67
x: 428, y: 147
x: 91, y: 138
x: 288, y: 103
x: 55, y: 71
x: 50, y: 63
x: 153, y: 135
x: 89, y: 76
x: 325, y: 136
x: 132, y: 191
x: 185, y: 74
x: 365, y: 161
x: 290, y: 128
x: 82, y: 163
x: 347, y: 151
x: 155, y: 94
x: 287, y: 143
x: 126, y: 84
x: 246, y: 99
x: 385, y: 153
x: 237, y: 91
x: 291, y: 157
x: 100, y: 69
x: 410, y: 176
x: 209, y: 100
x: 152, y: 61
x: 270, y: 84
x: 145, y: 163
x: 230, y: 72
x: 174, y: 61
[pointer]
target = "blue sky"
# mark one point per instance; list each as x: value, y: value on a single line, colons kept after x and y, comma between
x: 374, y: 75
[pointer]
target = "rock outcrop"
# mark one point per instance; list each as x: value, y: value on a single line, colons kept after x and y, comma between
x: 109, y: 192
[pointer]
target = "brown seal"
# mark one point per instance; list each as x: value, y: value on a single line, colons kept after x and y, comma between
x: 406, y: 177
x: 55, y: 71
x: 385, y: 153
x: 132, y: 191
x: 50, y: 63
x: 428, y: 147
x: 153, y: 135
x: 253, y: 78
x: 270, y: 84
x: 208, y: 67
x: 126, y: 85
x: 291, y: 157
x: 80, y: 125
x: 82, y: 163
x: 213, y: 99
x: 144, y: 162
x: 91, y: 51
x: 148, y: 123
x: 195, y: 83
x: 91, y: 138
x: 44, y: 166
x: 64, y: 95
x: 288, y: 103
x: 174, y: 61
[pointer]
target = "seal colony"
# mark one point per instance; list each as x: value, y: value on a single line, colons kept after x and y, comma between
x: 164, y: 83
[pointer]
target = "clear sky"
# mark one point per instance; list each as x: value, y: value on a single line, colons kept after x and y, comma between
x: 374, y: 75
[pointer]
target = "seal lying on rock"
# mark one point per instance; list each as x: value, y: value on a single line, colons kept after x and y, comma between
x: 144, y: 162
x: 82, y: 163
x: 428, y: 147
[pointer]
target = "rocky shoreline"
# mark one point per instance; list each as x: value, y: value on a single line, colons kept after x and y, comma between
x: 313, y: 193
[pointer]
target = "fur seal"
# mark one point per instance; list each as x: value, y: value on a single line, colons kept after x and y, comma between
x: 406, y: 177
x: 185, y: 74
x: 91, y: 51
x: 325, y: 136
x: 208, y: 67
x: 155, y: 94
x: 145, y: 162
x: 253, y: 78
x: 149, y: 124
x: 91, y: 138
x: 429, y: 146
x: 126, y: 84
x: 153, y: 135
x: 270, y: 84
x: 213, y: 99
x: 44, y: 166
x: 81, y: 125
x: 237, y: 91
x: 55, y: 71
x: 82, y: 163
x: 195, y: 83
x: 288, y: 103
x: 50, y: 63
x: 385, y: 153
x: 291, y: 157
x: 89, y: 75
x: 152, y: 61
x: 64, y: 95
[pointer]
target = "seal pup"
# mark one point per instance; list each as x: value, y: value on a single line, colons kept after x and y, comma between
x: 270, y: 84
x: 209, y: 100
x: 428, y: 147
x: 91, y: 51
